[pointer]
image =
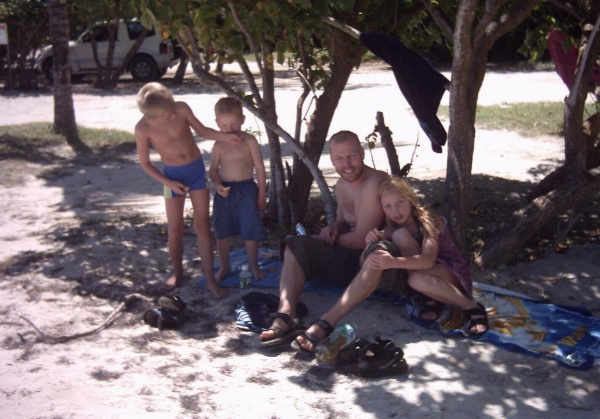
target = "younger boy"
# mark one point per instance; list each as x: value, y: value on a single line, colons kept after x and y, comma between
x: 238, y: 200
x: 166, y: 126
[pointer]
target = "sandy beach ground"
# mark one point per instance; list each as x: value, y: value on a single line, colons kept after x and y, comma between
x: 78, y: 243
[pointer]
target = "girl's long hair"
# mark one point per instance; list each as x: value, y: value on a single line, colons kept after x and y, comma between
x: 430, y: 222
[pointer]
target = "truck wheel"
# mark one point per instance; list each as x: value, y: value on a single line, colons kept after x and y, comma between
x: 143, y: 68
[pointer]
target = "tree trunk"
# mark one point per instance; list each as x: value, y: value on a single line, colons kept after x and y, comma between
x: 344, y: 60
x: 572, y: 181
x: 475, y: 32
x: 64, y: 111
x: 526, y: 221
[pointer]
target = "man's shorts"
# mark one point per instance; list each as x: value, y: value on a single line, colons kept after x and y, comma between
x: 393, y: 280
x: 317, y: 259
x: 238, y: 213
x: 192, y: 175
x: 340, y: 265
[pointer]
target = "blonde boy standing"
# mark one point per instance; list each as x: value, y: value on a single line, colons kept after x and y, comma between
x: 166, y: 125
x: 238, y: 198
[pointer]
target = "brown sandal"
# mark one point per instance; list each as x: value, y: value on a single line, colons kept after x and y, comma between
x: 282, y: 336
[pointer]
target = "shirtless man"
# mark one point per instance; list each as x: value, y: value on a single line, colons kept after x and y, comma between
x: 238, y: 198
x: 166, y: 125
x: 335, y: 253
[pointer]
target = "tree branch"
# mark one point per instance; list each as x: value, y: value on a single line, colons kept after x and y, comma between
x: 441, y: 20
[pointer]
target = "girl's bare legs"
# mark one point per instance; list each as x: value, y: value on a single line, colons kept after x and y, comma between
x: 438, y: 282
x: 174, y: 208
x: 200, y: 200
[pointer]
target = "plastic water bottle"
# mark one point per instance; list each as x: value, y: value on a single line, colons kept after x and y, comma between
x: 245, y: 279
x: 300, y: 229
x: 328, y: 349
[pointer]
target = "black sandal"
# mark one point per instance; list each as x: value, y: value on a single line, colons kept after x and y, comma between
x: 472, y: 322
x: 282, y: 336
x: 323, y: 324
x: 430, y: 306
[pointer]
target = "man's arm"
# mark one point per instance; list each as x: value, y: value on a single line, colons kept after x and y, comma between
x: 261, y: 174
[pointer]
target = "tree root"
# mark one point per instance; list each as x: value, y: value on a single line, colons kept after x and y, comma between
x: 50, y: 339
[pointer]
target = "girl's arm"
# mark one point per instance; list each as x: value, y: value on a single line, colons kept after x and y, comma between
x: 425, y: 259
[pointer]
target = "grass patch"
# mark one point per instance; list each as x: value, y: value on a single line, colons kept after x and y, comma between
x: 532, y: 119
x: 31, y: 141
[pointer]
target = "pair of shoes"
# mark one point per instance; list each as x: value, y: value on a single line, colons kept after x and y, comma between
x: 170, y: 314
x: 371, y: 360
x: 429, y: 306
x: 477, y: 316
x: 323, y: 324
x: 282, y: 336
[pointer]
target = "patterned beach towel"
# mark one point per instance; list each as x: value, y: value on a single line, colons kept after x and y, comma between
x: 568, y: 335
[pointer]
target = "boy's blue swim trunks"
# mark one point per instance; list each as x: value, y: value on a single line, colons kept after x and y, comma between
x: 238, y: 213
x: 192, y: 175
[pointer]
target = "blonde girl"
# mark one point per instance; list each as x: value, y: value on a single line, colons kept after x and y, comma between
x: 435, y: 266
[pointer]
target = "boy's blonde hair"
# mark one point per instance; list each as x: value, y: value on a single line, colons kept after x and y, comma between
x: 155, y: 100
x: 228, y: 105
x: 429, y: 221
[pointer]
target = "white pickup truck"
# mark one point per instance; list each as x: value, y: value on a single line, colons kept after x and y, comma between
x: 150, y: 62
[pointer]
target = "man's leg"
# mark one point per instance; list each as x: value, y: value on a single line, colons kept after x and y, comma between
x: 290, y: 290
x: 361, y: 287
x: 174, y: 208
x: 200, y: 200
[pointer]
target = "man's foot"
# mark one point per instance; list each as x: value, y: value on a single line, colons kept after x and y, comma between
x: 172, y: 282
x: 308, y: 340
x: 283, y: 330
x: 257, y: 272
x: 216, y: 290
x: 222, y: 273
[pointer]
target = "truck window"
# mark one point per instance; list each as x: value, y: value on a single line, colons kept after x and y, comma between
x: 135, y: 29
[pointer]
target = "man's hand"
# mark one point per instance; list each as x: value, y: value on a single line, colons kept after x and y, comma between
x: 329, y: 234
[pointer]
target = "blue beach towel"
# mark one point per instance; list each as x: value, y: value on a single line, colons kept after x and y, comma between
x: 568, y: 335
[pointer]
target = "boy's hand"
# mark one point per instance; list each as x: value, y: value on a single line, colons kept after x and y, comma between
x: 223, y: 191
x: 178, y: 188
x: 232, y: 138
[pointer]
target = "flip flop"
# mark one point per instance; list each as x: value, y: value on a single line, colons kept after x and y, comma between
x: 282, y: 336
